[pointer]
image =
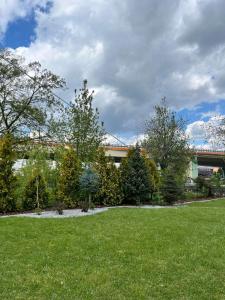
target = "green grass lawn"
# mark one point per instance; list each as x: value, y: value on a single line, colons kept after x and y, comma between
x: 213, y: 203
x: 176, y: 253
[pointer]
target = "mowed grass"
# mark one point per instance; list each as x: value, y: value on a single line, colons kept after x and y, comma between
x: 176, y: 253
x: 212, y: 203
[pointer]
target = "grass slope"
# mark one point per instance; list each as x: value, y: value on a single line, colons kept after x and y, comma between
x: 119, y: 254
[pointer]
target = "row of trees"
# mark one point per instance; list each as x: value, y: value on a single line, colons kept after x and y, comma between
x: 72, y: 167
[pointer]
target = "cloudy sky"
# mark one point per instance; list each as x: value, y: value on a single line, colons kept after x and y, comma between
x: 132, y: 52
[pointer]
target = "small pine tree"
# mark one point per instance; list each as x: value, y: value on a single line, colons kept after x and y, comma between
x: 69, y: 175
x: 110, y: 192
x: 7, y: 178
x: 135, y: 180
x: 36, y: 195
x: 89, y: 184
x: 170, y: 187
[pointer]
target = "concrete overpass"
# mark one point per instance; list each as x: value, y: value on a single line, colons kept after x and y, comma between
x: 202, y: 158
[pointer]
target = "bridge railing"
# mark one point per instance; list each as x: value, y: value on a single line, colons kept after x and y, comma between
x: 209, y: 150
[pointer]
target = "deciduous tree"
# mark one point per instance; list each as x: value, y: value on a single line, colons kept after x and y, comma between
x: 26, y: 94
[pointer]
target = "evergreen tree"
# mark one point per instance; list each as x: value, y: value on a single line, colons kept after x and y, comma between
x: 89, y: 184
x: 110, y: 192
x: 36, y: 195
x: 153, y: 176
x: 69, y: 175
x: 7, y: 178
x: 170, y: 187
x: 135, y: 180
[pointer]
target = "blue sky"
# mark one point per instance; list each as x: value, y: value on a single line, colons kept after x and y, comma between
x: 143, y: 52
x: 20, y: 33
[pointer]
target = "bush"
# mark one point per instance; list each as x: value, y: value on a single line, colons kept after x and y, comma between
x: 59, y: 206
x: 204, y: 186
x: 7, y: 178
x: 153, y: 176
x: 69, y: 175
x: 109, y: 192
x: 89, y: 184
x: 38, y: 164
x: 36, y: 195
x: 170, y: 187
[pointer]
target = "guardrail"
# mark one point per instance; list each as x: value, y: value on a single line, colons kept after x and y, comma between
x: 209, y: 150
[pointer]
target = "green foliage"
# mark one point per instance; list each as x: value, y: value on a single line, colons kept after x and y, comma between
x: 59, y: 206
x: 153, y: 176
x: 25, y: 103
x: 89, y: 184
x: 110, y: 192
x: 135, y: 177
x: 204, y: 185
x: 80, y: 126
x: 7, y: 178
x: 38, y: 164
x: 170, y: 187
x: 69, y: 175
x: 35, y: 195
x: 166, y: 141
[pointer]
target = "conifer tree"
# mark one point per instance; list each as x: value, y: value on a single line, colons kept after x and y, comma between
x: 7, y: 178
x: 135, y: 180
x: 89, y: 184
x: 170, y: 187
x: 69, y: 175
x: 110, y: 191
x: 153, y: 175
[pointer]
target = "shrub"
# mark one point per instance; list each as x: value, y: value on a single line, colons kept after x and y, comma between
x: 170, y: 187
x: 7, y: 178
x: 38, y: 164
x: 89, y: 184
x: 59, y: 206
x: 153, y: 176
x: 69, y: 174
x: 109, y: 192
x: 204, y: 186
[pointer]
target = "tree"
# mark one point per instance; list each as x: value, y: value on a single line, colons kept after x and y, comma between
x: 35, y: 195
x: 166, y: 141
x: 80, y: 126
x: 109, y: 192
x: 134, y: 176
x: 26, y: 94
x: 170, y: 187
x: 153, y: 176
x: 38, y: 166
x: 7, y: 178
x: 69, y: 176
x: 89, y: 184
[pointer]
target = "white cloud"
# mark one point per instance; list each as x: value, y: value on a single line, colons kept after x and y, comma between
x: 203, y: 133
x: 11, y: 10
x: 132, y: 52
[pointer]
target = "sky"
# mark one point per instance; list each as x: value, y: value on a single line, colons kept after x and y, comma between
x: 132, y: 53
